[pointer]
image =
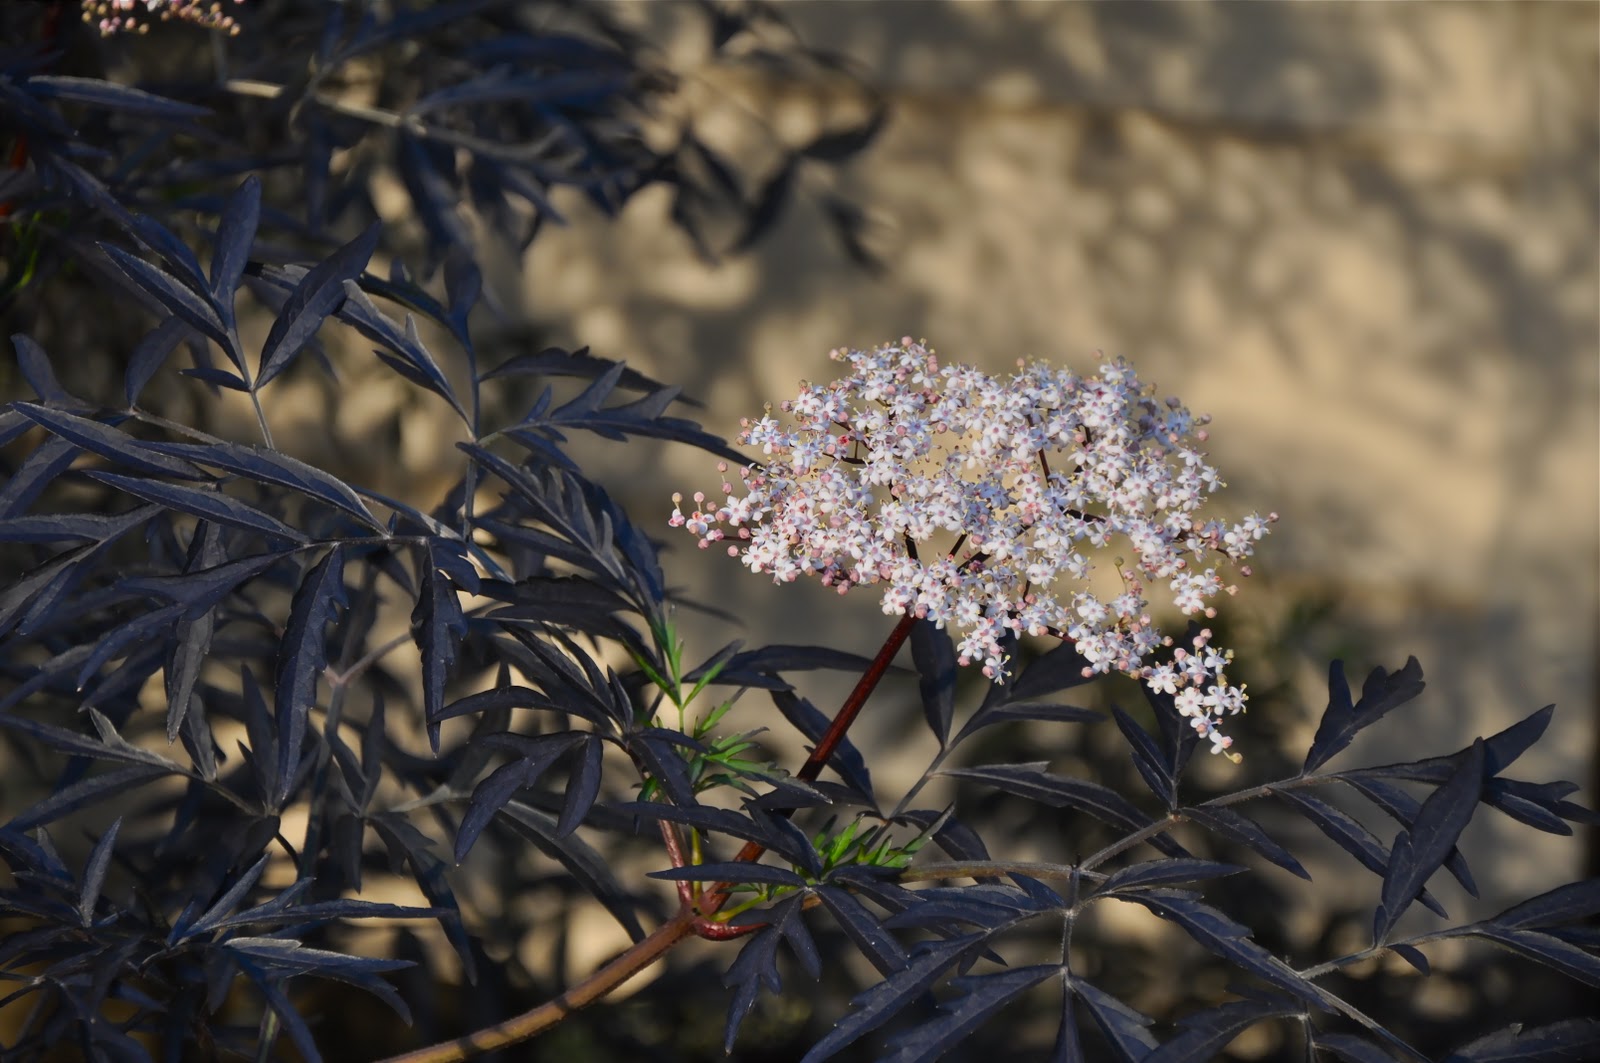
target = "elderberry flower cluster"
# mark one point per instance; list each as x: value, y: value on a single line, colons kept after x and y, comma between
x: 130, y: 16
x: 981, y: 503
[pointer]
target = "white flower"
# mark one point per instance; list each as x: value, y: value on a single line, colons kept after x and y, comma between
x: 1030, y: 476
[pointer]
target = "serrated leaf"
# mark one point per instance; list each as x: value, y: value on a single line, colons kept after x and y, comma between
x: 302, y: 655
x: 1564, y: 904
x: 582, y: 788
x: 28, y: 480
x: 1204, y: 1034
x: 1122, y: 1025
x: 1166, y: 873
x: 846, y: 759
x: 1147, y: 758
x: 872, y: 1008
x: 935, y: 658
x: 207, y: 505
x: 320, y: 293
x: 108, y: 443
x: 1350, y: 835
x: 97, y: 93
x: 236, y: 232
x: 94, y: 872
x: 1060, y: 791
x: 538, y: 754
x: 1230, y: 940
x: 981, y: 996
x: 587, y: 866
x: 271, y: 467
x: 96, y: 789
x: 1568, y: 1041
x: 198, y: 310
x: 864, y: 929
x: 1380, y: 694
x: 437, y: 624
x: 1418, y: 852
x: 755, y: 966
x: 1547, y: 949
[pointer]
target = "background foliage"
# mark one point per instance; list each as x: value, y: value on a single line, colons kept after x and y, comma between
x: 249, y: 687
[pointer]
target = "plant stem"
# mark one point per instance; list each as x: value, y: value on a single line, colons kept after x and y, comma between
x: 680, y: 926
x: 531, y: 1023
x: 829, y: 742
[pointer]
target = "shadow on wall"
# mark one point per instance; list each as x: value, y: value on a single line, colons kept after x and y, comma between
x: 1363, y: 237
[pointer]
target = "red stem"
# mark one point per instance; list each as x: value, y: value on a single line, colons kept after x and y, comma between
x: 715, y: 897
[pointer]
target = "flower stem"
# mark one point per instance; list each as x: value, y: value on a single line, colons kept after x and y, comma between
x: 689, y: 920
x: 829, y: 742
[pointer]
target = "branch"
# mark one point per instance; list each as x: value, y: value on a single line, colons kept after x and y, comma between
x: 548, y: 1014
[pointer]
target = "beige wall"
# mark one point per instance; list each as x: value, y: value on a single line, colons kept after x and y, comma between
x: 1363, y: 236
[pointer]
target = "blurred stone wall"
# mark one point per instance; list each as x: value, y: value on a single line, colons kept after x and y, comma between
x: 1363, y: 236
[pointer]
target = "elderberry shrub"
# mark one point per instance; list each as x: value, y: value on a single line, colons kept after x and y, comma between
x: 261, y: 687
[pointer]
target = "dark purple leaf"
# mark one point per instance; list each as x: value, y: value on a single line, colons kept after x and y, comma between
x: 582, y: 788
x: 42, y: 465
x: 1418, y: 851
x: 1564, y: 904
x: 1203, y: 1034
x: 1350, y: 835
x: 1122, y: 1025
x: 207, y: 505
x: 197, y: 309
x: 149, y: 353
x: 1403, y: 808
x: 320, y: 292
x: 109, y: 443
x: 755, y: 966
x: 874, y: 1007
x: 1060, y: 791
x: 302, y: 655
x: 236, y: 233
x: 37, y: 371
x: 1350, y: 1048
x: 587, y: 866
x: 231, y: 900
x: 864, y: 929
x: 94, y: 790
x: 200, y: 590
x: 935, y: 658
x: 981, y: 996
x: 556, y: 361
x: 1382, y: 692
x: 1568, y: 1041
x: 64, y: 527
x: 97, y: 93
x: 94, y: 872
x: 1060, y: 669
x: 1166, y: 873
x: 812, y: 723
x: 438, y: 625
x: 191, y: 643
x: 272, y: 467
x: 1411, y: 955
x: 1230, y: 940
x: 1547, y: 949
x: 1147, y: 758
x: 537, y: 755
x: 1000, y: 711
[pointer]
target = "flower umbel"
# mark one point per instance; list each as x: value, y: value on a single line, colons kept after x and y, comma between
x: 131, y: 16
x: 1029, y: 479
